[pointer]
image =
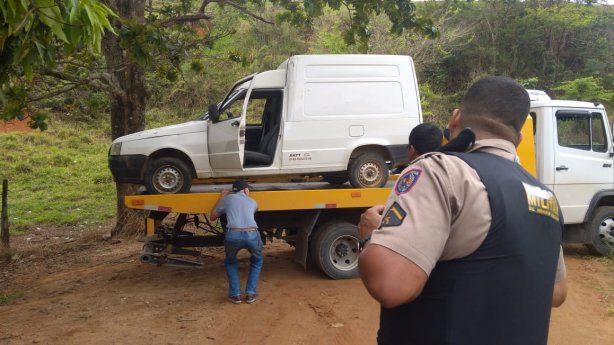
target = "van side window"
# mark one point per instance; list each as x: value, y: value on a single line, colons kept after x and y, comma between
x: 581, y: 131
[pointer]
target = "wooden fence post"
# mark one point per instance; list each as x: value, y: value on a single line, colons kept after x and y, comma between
x: 4, y: 219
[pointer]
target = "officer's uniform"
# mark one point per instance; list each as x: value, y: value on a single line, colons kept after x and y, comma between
x: 439, y: 214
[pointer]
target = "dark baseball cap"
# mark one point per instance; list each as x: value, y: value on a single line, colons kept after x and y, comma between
x: 239, y: 185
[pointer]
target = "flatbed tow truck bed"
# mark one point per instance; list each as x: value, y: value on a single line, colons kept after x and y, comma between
x: 317, y: 218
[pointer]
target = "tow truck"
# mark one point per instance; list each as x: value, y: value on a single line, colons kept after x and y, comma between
x: 317, y: 218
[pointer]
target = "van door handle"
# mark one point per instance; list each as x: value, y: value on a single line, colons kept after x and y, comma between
x: 562, y: 167
x: 235, y: 123
x: 607, y: 165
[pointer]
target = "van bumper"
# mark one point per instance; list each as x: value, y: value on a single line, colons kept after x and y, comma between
x: 399, y: 155
x: 127, y: 168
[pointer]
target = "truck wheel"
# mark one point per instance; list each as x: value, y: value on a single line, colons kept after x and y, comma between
x: 168, y: 175
x: 334, y: 250
x: 602, y: 231
x: 335, y: 179
x: 368, y: 170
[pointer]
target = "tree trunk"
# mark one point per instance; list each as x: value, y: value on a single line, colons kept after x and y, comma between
x: 127, y: 102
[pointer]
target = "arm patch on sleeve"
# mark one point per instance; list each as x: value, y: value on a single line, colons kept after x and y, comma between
x: 406, y: 182
x: 394, y: 216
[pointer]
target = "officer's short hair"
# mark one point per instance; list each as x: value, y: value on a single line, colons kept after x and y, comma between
x: 425, y: 137
x: 498, y: 105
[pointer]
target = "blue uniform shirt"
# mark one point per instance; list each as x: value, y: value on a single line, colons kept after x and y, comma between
x: 239, y: 209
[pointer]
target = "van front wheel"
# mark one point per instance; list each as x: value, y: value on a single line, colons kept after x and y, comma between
x: 368, y: 170
x: 168, y: 175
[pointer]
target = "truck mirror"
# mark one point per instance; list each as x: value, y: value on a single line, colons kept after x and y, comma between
x: 214, y: 112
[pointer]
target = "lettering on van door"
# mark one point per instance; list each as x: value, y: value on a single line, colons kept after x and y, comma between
x: 303, y: 156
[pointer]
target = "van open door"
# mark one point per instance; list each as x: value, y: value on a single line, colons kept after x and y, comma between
x: 226, y: 133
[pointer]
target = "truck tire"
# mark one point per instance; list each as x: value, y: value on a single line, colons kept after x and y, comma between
x: 601, y: 230
x: 336, y: 179
x: 334, y: 249
x: 168, y: 175
x: 368, y: 170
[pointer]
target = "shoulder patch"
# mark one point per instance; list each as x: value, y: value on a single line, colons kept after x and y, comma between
x: 406, y: 182
x: 394, y: 216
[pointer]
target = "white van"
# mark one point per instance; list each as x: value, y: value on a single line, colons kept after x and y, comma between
x: 345, y: 117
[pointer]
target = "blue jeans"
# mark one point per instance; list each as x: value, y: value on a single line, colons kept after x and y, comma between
x: 233, y: 242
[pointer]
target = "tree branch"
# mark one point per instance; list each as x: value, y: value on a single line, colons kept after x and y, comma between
x: 185, y: 19
x: 202, y: 6
x: 54, y: 93
x: 99, y: 81
x: 242, y: 10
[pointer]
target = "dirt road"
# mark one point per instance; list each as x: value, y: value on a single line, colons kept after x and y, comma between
x: 99, y: 293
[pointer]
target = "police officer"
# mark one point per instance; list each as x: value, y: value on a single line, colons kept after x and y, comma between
x: 241, y: 233
x: 424, y: 138
x: 467, y: 248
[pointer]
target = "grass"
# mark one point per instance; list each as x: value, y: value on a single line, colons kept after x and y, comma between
x: 8, y: 297
x: 58, y: 177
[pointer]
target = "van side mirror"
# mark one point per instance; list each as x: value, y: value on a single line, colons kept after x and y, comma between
x: 214, y: 112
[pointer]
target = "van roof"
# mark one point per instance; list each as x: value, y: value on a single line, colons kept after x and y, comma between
x: 344, y: 59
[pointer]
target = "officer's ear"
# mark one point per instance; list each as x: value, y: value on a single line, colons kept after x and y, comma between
x: 454, y: 124
x: 520, y: 137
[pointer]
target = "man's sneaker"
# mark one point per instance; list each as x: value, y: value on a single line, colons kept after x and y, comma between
x: 249, y: 299
x: 235, y: 299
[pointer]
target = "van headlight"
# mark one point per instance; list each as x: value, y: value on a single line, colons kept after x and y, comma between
x: 116, y: 149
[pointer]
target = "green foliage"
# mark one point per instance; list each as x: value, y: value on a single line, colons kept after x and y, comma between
x: 586, y: 89
x: 33, y: 33
x: 401, y: 13
x: 58, y: 177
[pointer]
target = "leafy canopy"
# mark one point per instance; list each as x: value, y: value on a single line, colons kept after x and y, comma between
x: 587, y: 88
x: 35, y: 33
x: 40, y: 37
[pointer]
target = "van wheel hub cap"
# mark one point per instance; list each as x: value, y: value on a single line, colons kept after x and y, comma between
x: 168, y: 180
x: 369, y: 173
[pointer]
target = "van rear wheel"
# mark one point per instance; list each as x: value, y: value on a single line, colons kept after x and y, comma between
x: 368, y: 170
x: 601, y: 230
x: 168, y: 175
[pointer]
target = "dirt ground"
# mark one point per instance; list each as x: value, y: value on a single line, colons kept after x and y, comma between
x: 14, y: 126
x: 98, y: 292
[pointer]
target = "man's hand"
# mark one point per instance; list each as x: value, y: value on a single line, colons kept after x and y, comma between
x: 213, y: 215
x: 370, y: 220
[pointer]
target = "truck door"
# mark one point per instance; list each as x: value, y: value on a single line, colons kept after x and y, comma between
x: 582, y: 162
x: 226, y: 136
